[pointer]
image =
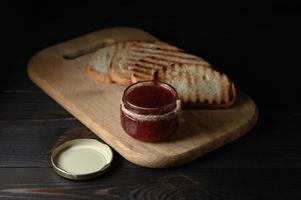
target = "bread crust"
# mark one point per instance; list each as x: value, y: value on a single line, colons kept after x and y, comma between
x: 97, y: 76
x: 118, y: 79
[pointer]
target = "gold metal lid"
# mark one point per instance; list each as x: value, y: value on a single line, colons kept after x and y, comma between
x: 81, y: 159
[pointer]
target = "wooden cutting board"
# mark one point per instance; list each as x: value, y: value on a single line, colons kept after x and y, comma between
x: 59, y: 71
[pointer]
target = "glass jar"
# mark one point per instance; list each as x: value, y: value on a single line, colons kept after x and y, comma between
x: 149, y: 111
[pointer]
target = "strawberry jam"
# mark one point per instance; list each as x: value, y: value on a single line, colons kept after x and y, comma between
x: 149, y: 111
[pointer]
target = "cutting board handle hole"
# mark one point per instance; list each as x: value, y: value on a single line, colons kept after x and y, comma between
x: 84, y: 51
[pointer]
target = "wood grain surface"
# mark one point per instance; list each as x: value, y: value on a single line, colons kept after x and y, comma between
x: 59, y: 71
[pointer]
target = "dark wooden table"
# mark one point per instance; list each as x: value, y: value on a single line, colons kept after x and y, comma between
x: 255, y: 44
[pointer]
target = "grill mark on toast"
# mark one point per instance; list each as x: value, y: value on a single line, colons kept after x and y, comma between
x: 143, y: 66
x: 146, y: 63
x: 132, y: 59
x: 167, y: 60
x: 158, y: 62
x: 179, y: 55
x: 160, y: 66
x: 137, y: 77
x: 156, y: 45
x: 141, y: 74
x: 141, y: 69
x: 163, y: 52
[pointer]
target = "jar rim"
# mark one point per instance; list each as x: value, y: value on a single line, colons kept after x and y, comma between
x: 150, y: 82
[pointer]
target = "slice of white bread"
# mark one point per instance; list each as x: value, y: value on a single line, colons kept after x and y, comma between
x: 194, y: 83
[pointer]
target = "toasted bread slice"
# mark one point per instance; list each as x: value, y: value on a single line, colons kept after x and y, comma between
x: 194, y: 83
x: 156, y: 56
x: 164, y: 55
x: 99, y: 66
x: 99, y: 63
x: 125, y: 55
x: 119, y: 73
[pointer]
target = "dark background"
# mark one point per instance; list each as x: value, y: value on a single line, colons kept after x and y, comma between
x: 261, y: 37
x: 256, y: 43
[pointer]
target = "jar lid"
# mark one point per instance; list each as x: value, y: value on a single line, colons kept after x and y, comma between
x: 81, y: 159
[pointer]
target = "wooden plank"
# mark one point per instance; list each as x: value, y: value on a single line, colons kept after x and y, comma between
x: 30, y: 105
x: 97, y: 106
x: 232, y: 184
x: 27, y: 143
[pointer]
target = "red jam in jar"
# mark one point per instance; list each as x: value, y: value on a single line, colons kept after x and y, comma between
x: 149, y: 111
